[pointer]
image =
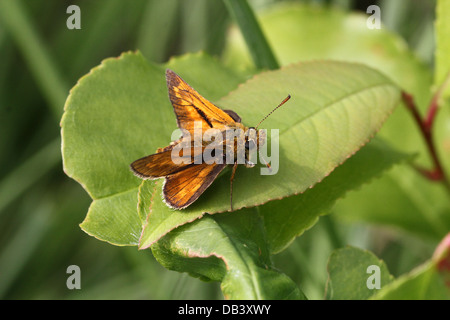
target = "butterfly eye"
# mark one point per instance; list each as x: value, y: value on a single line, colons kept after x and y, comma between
x: 249, y: 144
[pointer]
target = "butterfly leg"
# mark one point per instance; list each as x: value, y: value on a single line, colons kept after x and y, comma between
x: 231, y: 185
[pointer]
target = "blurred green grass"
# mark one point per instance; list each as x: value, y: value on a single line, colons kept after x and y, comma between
x: 40, y: 208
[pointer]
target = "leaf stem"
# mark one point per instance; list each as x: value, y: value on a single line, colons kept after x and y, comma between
x: 259, y: 48
x: 426, y: 124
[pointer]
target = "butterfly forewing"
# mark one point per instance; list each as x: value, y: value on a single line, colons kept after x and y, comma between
x: 190, y: 106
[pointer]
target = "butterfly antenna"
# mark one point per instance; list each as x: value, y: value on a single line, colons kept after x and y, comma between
x: 282, y: 102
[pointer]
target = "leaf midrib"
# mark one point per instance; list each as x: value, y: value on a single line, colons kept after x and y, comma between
x: 334, y: 102
x: 254, y: 282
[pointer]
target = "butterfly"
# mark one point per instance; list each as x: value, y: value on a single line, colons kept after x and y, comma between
x: 188, y: 177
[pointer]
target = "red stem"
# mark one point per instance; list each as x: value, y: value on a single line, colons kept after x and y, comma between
x: 426, y: 125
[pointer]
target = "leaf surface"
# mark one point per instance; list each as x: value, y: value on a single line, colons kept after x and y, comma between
x: 355, y: 274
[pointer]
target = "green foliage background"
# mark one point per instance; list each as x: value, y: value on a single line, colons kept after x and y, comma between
x: 40, y: 208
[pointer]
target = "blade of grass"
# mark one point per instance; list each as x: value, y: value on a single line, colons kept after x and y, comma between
x: 194, y: 25
x: 19, y: 25
x: 262, y: 55
x: 29, y: 172
x: 18, y: 250
x: 218, y: 22
x: 157, y: 27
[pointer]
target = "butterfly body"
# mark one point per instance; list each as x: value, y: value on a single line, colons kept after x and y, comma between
x: 188, y: 178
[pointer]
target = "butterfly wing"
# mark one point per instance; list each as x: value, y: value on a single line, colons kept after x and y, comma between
x: 155, y: 166
x: 184, y: 182
x: 184, y: 187
x: 190, y: 106
x: 162, y: 163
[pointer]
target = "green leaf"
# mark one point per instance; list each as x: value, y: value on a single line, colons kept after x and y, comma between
x: 355, y: 274
x: 227, y: 247
x: 99, y: 129
x: 334, y: 110
x: 334, y: 116
x: 116, y: 114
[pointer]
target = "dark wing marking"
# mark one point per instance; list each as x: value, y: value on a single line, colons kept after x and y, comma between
x: 190, y: 106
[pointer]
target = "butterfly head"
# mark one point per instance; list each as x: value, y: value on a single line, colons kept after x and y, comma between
x: 253, y: 140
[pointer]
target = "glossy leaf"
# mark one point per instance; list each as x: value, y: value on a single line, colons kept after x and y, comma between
x: 327, y: 119
x: 118, y: 113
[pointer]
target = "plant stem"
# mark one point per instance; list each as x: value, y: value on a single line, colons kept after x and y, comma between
x: 426, y: 125
x: 259, y: 48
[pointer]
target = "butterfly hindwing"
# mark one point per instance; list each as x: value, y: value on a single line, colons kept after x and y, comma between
x: 183, y: 188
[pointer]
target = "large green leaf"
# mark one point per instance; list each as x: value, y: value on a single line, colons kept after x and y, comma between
x: 328, y: 119
x: 117, y: 113
x: 99, y: 136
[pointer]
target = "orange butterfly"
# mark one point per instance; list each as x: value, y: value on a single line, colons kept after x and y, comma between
x: 186, y: 180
